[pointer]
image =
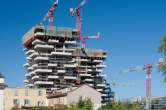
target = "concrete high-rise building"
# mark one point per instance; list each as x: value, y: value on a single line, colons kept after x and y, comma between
x: 54, y: 62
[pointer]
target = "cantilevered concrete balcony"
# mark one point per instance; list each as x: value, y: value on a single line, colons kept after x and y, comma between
x: 53, y: 41
x: 30, y: 68
x: 104, y: 95
x: 26, y: 65
x: 43, y: 82
x: 69, y: 77
x: 102, y: 75
x: 31, y: 73
x: 85, y: 75
x: 61, y: 71
x: 39, y: 46
x: 26, y: 81
x: 101, y: 66
x: 33, y: 54
x: 98, y: 61
x: 27, y: 75
x: 83, y: 60
x: 37, y: 41
x: 98, y: 70
x: 101, y: 85
x: 35, y: 65
x: 53, y: 77
x: 91, y: 85
x: 70, y: 65
x: 52, y: 65
x: 39, y: 34
x: 88, y: 80
x: 29, y: 58
x: 29, y: 52
x: 29, y: 85
x: 99, y: 90
x: 61, y: 53
x: 41, y: 58
x: 35, y: 77
x: 43, y: 71
x: 70, y: 42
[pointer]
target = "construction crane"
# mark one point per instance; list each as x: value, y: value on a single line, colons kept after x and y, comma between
x: 148, y: 68
x: 114, y: 88
x: 89, y: 37
x: 76, y: 12
x: 49, y: 14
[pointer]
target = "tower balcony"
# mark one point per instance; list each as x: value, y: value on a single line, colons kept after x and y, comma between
x: 43, y: 82
x: 29, y: 85
x: 101, y: 66
x: 89, y: 80
x: 35, y: 65
x: 97, y: 61
x: 26, y: 65
x: 26, y: 81
x: 61, y: 71
x: 35, y: 77
x: 69, y: 77
x: 91, y: 85
x: 41, y: 58
x: 98, y: 70
x: 70, y: 65
x: 70, y: 42
x: 43, y: 71
x: 39, y: 34
x: 101, y: 85
x: 52, y: 65
x: 33, y: 54
x: 29, y: 52
x: 27, y: 75
x: 102, y: 75
x: 53, y: 41
x: 61, y: 53
x: 85, y: 75
x: 104, y: 95
x: 37, y: 41
x: 99, y: 90
x: 30, y: 68
x: 29, y: 58
x: 53, y: 77
x: 39, y: 46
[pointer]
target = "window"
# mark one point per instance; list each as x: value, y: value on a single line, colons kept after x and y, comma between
x: 26, y: 102
x: 26, y: 92
x: 40, y: 93
x: 16, y: 92
x: 39, y: 103
x: 15, y: 101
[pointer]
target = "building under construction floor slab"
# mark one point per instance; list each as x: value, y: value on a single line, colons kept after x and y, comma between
x: 52, y: 61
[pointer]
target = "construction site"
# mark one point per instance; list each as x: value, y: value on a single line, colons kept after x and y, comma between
x: 61, y: 71
x: 56, y: 60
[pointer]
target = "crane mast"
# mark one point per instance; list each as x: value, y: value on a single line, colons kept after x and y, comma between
x: 148, y: 68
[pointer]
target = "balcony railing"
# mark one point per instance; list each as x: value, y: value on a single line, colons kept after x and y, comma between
x: 38, y: 46
x: 43, y: 82
x: 43, y: 71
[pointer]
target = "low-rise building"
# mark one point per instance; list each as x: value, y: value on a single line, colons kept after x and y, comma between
x: 24, y: 97
x: 66, y: 97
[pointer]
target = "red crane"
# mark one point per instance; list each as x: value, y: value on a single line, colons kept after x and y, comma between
x: 89, y: 37
x: 146, y: 67
x: 49, y: 14
x: 76, y: 12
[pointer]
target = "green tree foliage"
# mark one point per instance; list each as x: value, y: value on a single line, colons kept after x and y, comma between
x: 162, y: 49
x: 118, y: 106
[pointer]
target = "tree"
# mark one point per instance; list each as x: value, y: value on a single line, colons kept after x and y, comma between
x: 162, y: 49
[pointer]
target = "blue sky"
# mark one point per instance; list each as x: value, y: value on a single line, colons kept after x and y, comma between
x: 130, y: 31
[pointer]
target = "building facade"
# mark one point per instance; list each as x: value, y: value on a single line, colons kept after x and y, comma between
x: 54, y: 61
x: 73, y: 96
x: 24, y: 97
